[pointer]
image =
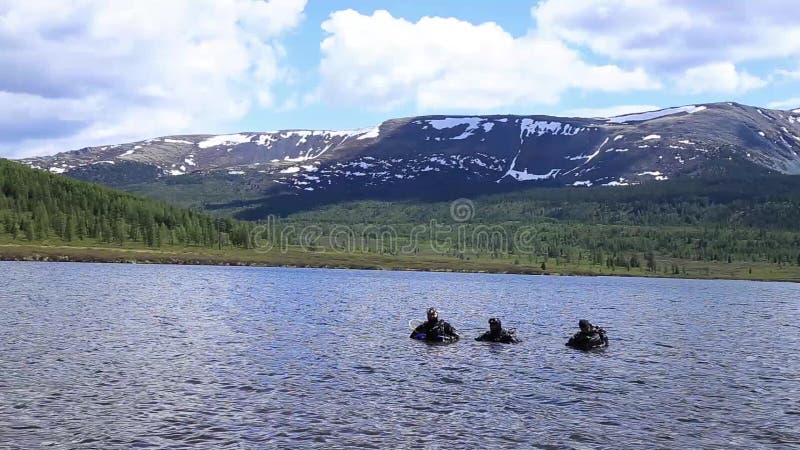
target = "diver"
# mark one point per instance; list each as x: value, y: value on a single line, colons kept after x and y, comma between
x: 589, y: 337
x: 496, y: 333
x: 435, y: 330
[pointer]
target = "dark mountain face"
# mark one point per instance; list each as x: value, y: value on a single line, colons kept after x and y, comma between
x: 433, y: 155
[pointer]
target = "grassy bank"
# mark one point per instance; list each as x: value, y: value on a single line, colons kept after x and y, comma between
x: 297, y: 257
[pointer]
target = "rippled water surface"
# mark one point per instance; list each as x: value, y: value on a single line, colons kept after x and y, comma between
x: 123, y: 356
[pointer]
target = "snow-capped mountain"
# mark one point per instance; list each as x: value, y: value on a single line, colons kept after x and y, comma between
x: 693, y: 140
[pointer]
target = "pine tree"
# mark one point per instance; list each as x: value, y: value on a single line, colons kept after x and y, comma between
x: 69, y: 228
x: 30, y: 233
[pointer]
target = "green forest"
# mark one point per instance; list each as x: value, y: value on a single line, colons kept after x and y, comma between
x: 719, y: 220
x: 39, y: 206
x: 764, y: 202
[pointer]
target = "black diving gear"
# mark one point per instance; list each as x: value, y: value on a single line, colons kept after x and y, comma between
x: 435, y: 329
x: 496, y: 333
x: 589, y: 337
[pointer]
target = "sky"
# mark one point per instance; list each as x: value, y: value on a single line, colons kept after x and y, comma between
x: 92, y: 72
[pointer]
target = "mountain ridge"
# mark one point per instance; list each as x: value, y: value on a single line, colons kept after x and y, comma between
x: 421, y: 153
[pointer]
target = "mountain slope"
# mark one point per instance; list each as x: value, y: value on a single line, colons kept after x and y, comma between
x: 37, y: 206
x: 420, y: 155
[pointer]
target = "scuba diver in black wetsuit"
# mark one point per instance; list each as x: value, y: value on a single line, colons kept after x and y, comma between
x: 496, y: 333
x: 589, y: 337
x: 435, y: 330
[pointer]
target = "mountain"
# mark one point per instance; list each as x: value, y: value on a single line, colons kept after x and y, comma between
x: 444, y: 155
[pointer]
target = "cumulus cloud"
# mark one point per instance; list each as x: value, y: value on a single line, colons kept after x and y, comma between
x: 717, y: 77
x: 445, y: 63
x: 674, y: 34
x: 92, y: 72
x: 609, y: 111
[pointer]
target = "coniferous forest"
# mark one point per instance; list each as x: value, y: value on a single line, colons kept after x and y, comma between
x: 39, y: 206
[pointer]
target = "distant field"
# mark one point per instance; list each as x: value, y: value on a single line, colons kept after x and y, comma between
x: 298, y: 257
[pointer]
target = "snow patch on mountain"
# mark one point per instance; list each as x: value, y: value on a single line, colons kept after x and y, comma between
x: 225, y: 139
x: 597, y: 152
x: 472, y: 125
x: 177, y: 141
x: 651, y: 137
x: 588, y: 157
x: 525, y: 176
x: 266, y: 140
x: 657, y: 175
x: 542, y: 127
x: 690, y: 109
x: 452, y: 122
x: 371, y: 133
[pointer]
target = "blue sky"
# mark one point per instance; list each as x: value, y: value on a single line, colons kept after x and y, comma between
x: 94, y: 72
x: 303, y: 45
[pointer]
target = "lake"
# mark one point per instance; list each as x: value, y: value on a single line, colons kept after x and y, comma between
x: 136, y: 356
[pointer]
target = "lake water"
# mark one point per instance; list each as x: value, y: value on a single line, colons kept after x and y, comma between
x: 124, y: 356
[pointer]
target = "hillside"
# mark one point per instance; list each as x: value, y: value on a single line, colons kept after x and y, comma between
x: 443, y: 157
x: 690, y: 222
x: 39, y: 207
x: 770, y: 202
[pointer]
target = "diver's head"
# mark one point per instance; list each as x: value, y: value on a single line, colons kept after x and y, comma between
x: 433, y: 314
x: 494, y: 324
x: 585, y: 325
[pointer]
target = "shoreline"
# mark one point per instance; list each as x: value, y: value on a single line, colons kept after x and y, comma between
x: 321, y: 260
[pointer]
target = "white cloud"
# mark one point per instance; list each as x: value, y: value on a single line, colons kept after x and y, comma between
x: 790, y: 74
x: 610, y: 111
x: 790, y: 103
x: 103, y: 72
x: 674, y: 33
x: 717, y: 77
x: 440, y: 63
